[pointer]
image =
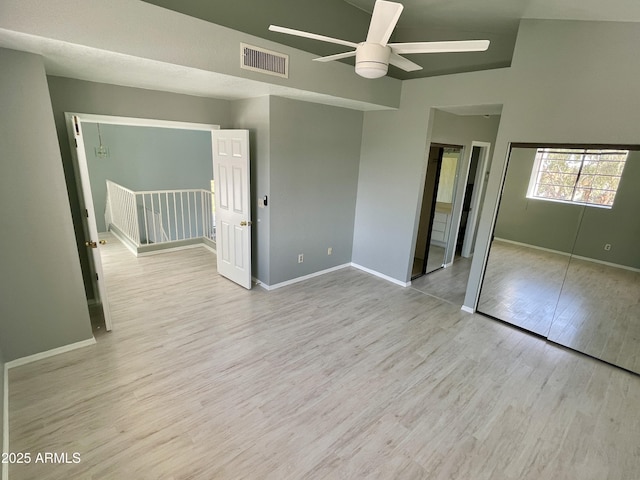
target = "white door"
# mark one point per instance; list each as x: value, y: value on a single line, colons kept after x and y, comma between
x: 233, y: 207
x: 92, y: 242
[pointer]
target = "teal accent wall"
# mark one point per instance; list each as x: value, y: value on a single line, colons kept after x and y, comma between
x: 146, y: 158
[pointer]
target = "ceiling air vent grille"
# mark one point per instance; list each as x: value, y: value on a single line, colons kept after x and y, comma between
x: 265, y: 61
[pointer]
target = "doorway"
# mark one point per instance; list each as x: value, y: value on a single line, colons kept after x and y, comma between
x: 104, y: 155
x: 436, y: 213
x: 474, y: 195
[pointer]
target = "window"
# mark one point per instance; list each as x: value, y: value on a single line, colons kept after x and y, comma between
x: 577, y: 175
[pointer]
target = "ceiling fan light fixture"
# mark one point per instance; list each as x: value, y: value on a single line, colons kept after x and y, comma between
x: 371, y: 69
x: 372, y: 60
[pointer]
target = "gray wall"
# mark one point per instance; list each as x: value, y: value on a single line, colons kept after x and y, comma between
x: 195, y: 48
x: 1, y: 402
x: 560, y: 89
x: 146, y: 158
x: 315, y: 152
x: 393, y: 162
x: 68, y: 95
x: 572, y: 228
x: 253, y: 115
x: 42, y: 300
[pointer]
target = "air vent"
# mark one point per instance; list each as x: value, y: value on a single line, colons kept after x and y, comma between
x: 260, y: 60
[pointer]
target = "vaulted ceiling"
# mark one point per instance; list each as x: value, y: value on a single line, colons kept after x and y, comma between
x: 421, y: 20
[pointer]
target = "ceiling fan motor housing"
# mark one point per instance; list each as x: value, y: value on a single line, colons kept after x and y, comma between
x: 372, y: 60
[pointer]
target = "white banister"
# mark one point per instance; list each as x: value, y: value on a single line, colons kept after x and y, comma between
x: 147, y: 217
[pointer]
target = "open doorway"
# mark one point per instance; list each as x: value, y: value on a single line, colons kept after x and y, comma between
x: 100, y: 157
x: 436, y: 214
x: 473, y: 199
x: 459, y: 221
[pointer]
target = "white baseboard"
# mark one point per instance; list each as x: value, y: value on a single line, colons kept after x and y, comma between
x: 5, y: 404
x: 528, y: 245
x: 464, y: 308
x: 5, y: 422
x: 211, y: 249
x: 303, y: 278
x: 124, y: 240
x: 49, y: 353
x: 160, y: 251
x: 381, y: 275
x: 586, y: 259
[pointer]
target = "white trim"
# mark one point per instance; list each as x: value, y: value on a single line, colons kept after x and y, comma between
x: 558, y: 252
x: 381, y: 275
x: 464, y: 308
x: 5, y: 422
x: 303, y: 278
x: 143, y: 122
x: 170, y: 249
x: 521, y: 244
x: 479, y: 185
x: 608, y: 264
x: 123, y: 239
x: 210, y: 248
x: 17, y: 363
x: 49, y: 353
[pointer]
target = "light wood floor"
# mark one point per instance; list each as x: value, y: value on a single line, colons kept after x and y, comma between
x: 599, y: 313
x: 449, y: 284
x: 587, y: 306
x: 522, y: 285
x: 341, y: 376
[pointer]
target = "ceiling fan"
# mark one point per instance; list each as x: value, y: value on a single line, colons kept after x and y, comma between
x: 374, y: 55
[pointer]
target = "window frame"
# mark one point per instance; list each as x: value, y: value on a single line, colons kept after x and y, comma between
x: 582, y: 149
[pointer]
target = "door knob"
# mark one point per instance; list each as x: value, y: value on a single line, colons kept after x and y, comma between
x: 102, y: 242
x: 91, y: 244
x: 244, y: 224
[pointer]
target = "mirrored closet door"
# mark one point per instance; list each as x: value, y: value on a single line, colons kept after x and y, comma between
x: 564, y: 260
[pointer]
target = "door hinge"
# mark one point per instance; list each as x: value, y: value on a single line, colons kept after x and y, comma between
x: 75, y: 124
x: 86, y: 213
x: 76, y: 142
x: 97, y: 277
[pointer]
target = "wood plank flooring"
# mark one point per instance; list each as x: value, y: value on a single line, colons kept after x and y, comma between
x: 341, y: 376
x: 522, y: 285
x: 449, y: 284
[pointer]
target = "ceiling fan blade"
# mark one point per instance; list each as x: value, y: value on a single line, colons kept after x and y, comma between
x: 337, y: 56
x: 322, y: 38
x: 403, y: 63
x: 441, y: 47
x: 383, y: 20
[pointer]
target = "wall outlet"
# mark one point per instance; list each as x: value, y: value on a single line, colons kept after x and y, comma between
x: 329, y: 251
x: 300, y: 258
x: 607, y: 246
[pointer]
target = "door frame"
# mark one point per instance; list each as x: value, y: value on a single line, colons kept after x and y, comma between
x: 460, y: 194
x: 83, y: 184
x: 476, y: 195
x: 440, y: 146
